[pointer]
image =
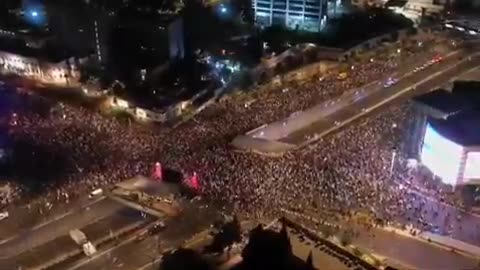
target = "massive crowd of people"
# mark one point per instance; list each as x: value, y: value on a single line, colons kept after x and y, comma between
x: 70, y: 151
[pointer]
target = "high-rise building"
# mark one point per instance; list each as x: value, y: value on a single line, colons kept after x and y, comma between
x: 308, y: 15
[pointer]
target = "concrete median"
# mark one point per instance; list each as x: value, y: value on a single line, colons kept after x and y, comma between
x: 306, y: 119
x: 59, y: 262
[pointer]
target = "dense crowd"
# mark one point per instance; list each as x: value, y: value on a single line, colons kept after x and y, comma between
x: 71, y: 151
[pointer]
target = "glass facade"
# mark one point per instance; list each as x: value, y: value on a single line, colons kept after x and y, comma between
x: 308, y: 15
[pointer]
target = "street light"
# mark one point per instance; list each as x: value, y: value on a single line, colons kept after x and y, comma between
x: 392, y: 162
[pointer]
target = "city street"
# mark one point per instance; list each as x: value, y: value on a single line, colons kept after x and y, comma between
x: 404, y: 72
x: 62, y: 246
x: 139, y: 253
x: 27, y: 217
x: 126, y: 256
x: 27, y: 238
x: 405, y: 251
x: 381, y: 95
x: 411, y: 252
x: 127, y: 127
x: 307, y: 126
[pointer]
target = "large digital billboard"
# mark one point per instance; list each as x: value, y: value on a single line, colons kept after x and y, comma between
x: 441, y: 156
x: 472, y: 167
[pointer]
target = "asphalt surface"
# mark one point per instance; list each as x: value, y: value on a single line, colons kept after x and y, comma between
x: 108, y: 225
x: 27, y: 217
x: 41, y: 254
x: 130, y: 256
x: 97, y: 232
x: 405, y: 252
x: 281, y: 129
x: 29, y: 238
x: 361, y: 102
x: 40, y: 239
x: 139, y: 253
x: 412, y: 253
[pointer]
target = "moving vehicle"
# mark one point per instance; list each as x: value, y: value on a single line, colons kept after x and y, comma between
x: 81, y: 239
x: 390, y: 81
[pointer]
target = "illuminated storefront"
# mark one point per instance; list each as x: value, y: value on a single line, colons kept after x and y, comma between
x: 57, y: 73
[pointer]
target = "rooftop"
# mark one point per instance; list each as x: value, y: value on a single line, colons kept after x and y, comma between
x: 455, y: 115
x: 461, y: 128
x: 442, y: 104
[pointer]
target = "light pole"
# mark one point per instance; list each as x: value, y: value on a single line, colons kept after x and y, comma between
x: 392, y: 162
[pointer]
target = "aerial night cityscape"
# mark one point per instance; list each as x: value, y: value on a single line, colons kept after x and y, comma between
x: 239, y: 134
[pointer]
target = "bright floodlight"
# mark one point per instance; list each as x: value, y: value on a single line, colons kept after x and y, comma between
x: 34, y: 13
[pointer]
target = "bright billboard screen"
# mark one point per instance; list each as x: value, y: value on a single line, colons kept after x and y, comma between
x: 441, y: 155
x: 472, y: 167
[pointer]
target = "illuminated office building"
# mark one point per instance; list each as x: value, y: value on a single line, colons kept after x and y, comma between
x: 308, y: 15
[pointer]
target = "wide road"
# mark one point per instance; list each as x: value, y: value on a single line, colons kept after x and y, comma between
x: 32, y: 237
x: 26, y: 217
x: 400, y: 250
x: 58, y: 248
x: 305, y: 119
x: 411, y: 252
x: 131, y: 255
x: 419, y: 82
x: 138, y: 254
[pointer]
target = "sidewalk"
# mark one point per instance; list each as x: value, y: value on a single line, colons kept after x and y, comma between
x: 438, y: 240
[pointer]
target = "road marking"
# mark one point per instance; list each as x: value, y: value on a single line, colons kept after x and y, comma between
x: 56, y: 218
x: 103, y: 252
x: 327, y: 110
x: 386, y: 100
